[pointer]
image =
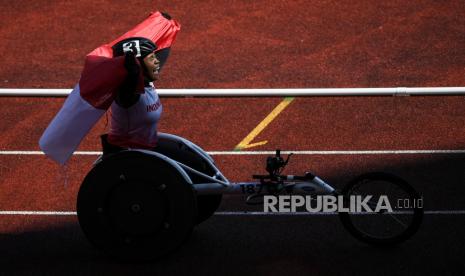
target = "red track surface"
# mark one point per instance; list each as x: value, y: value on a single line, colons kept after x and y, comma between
x: 243, y: 44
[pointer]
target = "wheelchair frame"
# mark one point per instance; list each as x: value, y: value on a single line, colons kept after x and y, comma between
x: 219, y: 184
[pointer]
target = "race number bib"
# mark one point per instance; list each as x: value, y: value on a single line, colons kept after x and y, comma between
x: 132, y: 46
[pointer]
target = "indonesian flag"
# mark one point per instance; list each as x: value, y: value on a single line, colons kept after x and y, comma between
x: 94, y: 93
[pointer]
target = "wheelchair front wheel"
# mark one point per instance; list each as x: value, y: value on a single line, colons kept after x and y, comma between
x: 382, y: 228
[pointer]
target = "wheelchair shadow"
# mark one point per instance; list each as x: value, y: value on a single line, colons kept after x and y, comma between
x: 236, y: 246
x: 280, y: 245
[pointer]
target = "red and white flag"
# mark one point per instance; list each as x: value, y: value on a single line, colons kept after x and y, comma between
x: 94, y: 93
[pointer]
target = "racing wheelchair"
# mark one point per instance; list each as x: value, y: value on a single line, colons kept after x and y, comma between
x: 142, y: 205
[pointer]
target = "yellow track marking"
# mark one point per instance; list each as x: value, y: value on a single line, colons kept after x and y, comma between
x: 246, y: 142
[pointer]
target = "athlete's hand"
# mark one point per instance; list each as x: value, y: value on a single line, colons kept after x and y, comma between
x: 131, y: 64
x: 166, y: 15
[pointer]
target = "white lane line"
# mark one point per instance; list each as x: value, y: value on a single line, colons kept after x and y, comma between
x: 32, y: 152
x: 297, y: 152
x: 340, y: 152
x: 235, y: 213
x: 38, y: 213
x: 431, y: 212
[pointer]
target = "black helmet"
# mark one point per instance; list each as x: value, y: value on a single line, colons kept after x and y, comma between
x: 140, y: 46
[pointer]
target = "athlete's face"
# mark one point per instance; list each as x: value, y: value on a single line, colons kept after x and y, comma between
x: 153, y: 67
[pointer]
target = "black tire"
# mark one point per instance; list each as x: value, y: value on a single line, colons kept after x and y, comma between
x: 407, y: 220
x: 206, y: 204
x: 136, y: 207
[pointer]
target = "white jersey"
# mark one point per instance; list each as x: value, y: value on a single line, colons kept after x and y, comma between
x: 136, y: 126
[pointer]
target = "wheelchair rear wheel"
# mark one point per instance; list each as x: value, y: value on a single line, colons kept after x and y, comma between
x: 135, y: 206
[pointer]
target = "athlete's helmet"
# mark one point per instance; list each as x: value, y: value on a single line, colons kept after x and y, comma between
x: 139, y: 46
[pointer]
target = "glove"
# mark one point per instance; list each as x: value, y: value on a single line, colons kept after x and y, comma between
x: 166, y: 15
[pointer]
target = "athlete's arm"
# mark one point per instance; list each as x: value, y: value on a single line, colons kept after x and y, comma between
x: 127, y: 95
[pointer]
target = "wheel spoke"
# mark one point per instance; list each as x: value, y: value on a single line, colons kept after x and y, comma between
x: 398, y: 220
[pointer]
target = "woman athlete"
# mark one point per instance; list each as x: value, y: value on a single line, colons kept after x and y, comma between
x: 135, y: 114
